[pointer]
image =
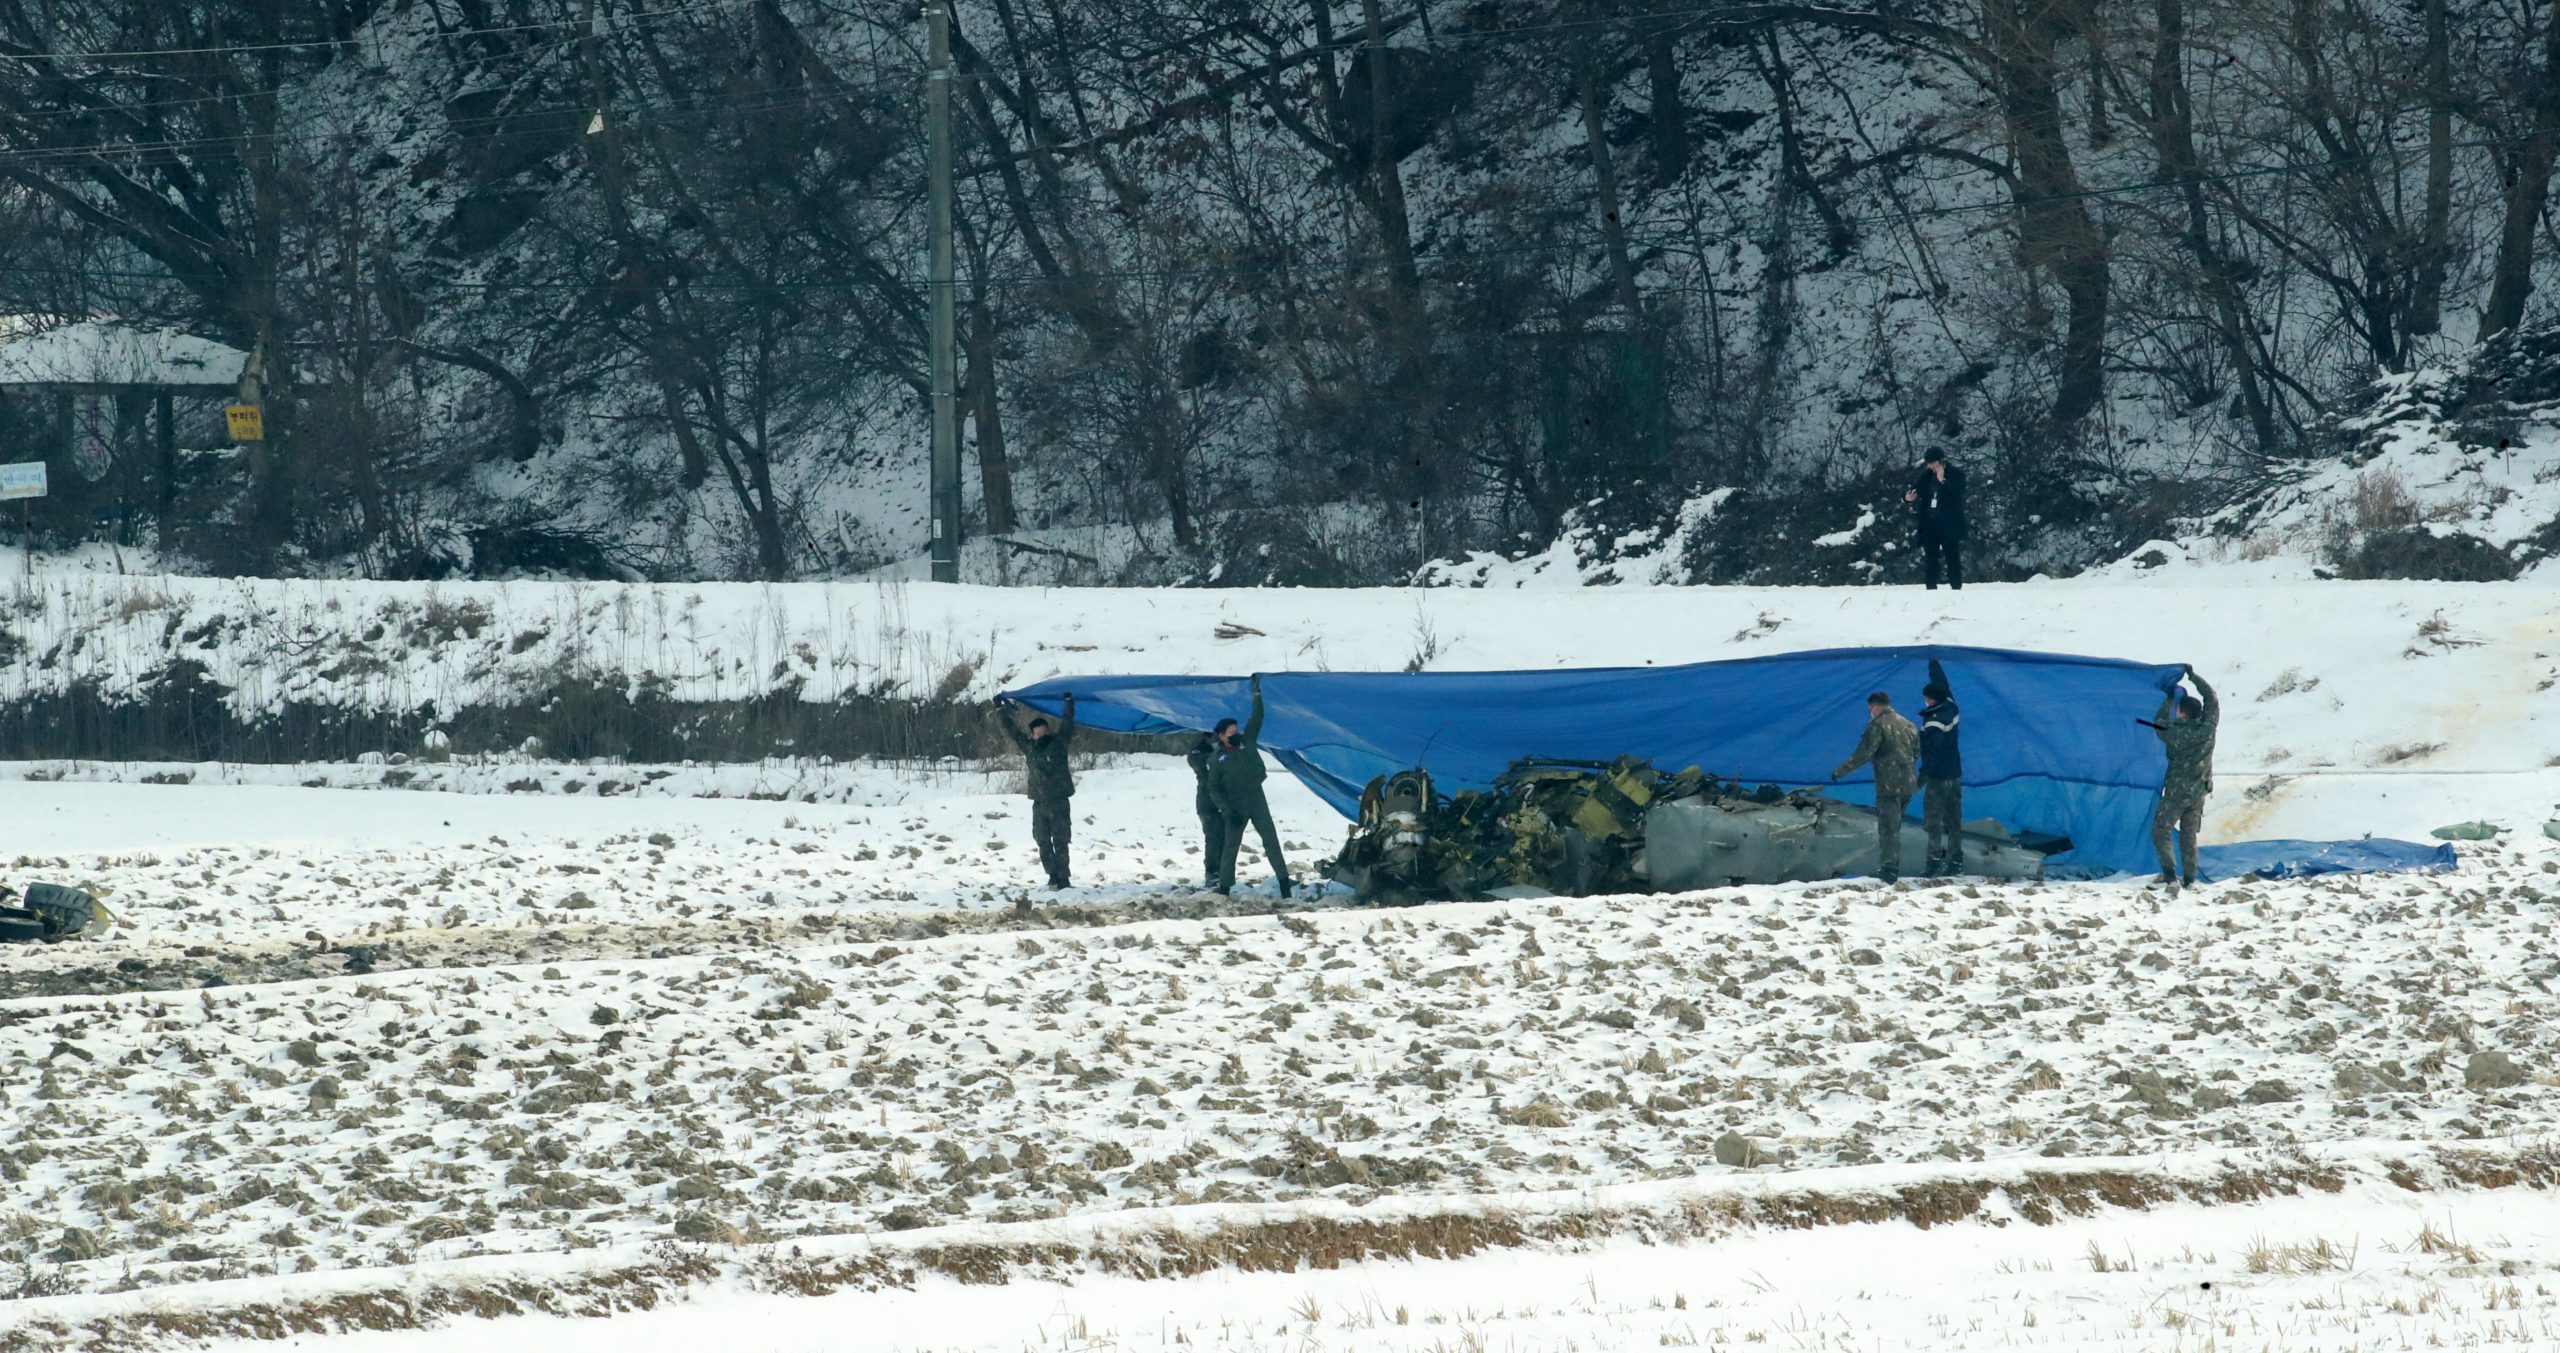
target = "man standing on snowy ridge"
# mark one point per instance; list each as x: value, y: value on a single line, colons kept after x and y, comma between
x: 1052, y: 785
x: 1941, y: 775
x: 1893, y: 745
x: 2186, y: 727
x: 1937, y: 509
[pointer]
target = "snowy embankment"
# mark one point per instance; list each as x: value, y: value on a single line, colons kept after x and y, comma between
x: 2369, y: 1268
x: 2390, y: 675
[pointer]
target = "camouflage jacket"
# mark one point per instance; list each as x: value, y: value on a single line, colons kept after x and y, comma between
x: 2190, y: 745
x: 1893, y: 745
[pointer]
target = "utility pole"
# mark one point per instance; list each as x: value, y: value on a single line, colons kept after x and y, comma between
x: 945, y: 509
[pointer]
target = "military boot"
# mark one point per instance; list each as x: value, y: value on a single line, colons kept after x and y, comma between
x: 1955, y: 863
x: 1935, y: 866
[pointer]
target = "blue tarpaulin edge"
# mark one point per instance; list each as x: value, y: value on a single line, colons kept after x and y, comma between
x: 2305, y: 859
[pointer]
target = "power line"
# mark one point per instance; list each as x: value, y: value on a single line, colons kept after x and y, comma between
x: 240, y: 49
x: 545, y: 118
x: 121, y: 108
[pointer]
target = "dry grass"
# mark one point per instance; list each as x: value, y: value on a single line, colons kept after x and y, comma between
x: 2381, y: 501
x: 1283, y: 1244
x: 2317, y: 1255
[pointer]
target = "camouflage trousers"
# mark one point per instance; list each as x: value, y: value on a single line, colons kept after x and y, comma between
x: 1052, y: 827
x: 1890, y: 808
x: 1942, y: 816
x: 2186, y: 818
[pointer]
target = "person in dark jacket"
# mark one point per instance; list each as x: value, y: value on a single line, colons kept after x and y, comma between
x: 1052, y: 784
x: 1235, y: 785
x: 1941, y: 774
x: 1937, y: 509
x: 1213, y: 824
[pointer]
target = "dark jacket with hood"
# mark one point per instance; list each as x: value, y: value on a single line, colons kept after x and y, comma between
x: 1203, y: 757
x: 1941, y: 753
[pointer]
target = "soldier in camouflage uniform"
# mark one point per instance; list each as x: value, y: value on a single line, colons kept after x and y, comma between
x: 2186, y: 726
x: 1892, y: 745
x: 1052, y: 785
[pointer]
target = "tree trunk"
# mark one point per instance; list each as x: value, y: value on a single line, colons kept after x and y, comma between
x: 986, y: 414
x: 1409, y: 325
x: 2528, y: 189
x: 2056, y: 231
x: 2426, y: 282
x: 1669, y: 115
x: 1604, y: 174
x: 1775, y: 320
x: 2172, y: 119
x: 1387, y: 179
x: 1165, y: 463
x: 165, y: 434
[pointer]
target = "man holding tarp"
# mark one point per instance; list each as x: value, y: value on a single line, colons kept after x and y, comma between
x: 1052, y: 785
x: 2186, y: 726
x: 1235, y: 786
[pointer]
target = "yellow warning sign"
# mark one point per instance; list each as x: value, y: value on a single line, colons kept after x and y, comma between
x: 248, y: 422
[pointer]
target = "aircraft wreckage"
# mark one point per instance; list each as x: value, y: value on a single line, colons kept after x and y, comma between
x: 49, y: 913
x: 1577, y: 828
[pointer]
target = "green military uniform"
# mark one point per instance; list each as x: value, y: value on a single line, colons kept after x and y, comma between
x: 1213, y: 824
x: 1052, y: 784
x: 2190, y: 779
x: 1235, y: 787
x: 1892, y: 745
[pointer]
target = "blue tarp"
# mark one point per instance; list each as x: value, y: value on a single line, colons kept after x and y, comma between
x: 2051, y: 742
x: 2302, y: 859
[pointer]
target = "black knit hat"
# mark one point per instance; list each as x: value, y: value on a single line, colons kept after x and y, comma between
x: 1936, y: 453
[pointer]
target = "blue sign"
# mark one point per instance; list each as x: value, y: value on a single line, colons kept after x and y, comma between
x: 22, y: 480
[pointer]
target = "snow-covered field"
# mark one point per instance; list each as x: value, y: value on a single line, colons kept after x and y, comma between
x: 374, y: 1016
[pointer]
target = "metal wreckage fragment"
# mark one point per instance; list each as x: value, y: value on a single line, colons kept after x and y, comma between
x: 50, y: 912
x: 1578, y: 828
